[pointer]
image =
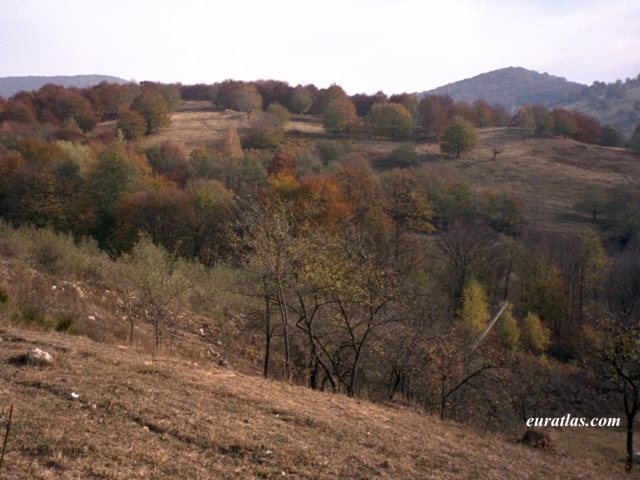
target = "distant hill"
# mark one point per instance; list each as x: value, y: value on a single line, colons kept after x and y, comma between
x: 510, y: 87
x: 9, y: 86
x: 617, y: 104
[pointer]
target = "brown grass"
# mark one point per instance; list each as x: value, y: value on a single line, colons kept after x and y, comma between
x: 171, y: 418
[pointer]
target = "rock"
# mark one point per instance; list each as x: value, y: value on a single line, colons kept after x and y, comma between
x: 537, y: 439
x: 224, y: 363
x: 219, y: 342
x: 39, y: 357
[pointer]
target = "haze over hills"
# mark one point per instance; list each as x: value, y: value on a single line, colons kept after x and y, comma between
x: 9, y: 86
x: 510, y: 87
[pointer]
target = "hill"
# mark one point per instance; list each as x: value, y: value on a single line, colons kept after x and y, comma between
x: 617, y: 104
x: 510, y: 87
x: 548, y: 175
x: 9, y: 86
x: 135, y: 416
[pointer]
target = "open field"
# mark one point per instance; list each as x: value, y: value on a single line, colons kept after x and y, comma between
x: 139, y: 417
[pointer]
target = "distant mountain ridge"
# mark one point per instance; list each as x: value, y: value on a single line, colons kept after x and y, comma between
x: 9, y: 86
x: 511, y: 87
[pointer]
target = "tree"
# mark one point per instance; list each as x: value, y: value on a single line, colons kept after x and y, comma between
x: 460, y: 136
x: 265, y: 131
x: 131, y: 124
x: 474, y: 314
x: 563, y: 123
x: 391, y: 120
x: 281, y: 113
x: 406, y: 204
x: 339, y: 116
x: 612, y: 137
x: 154, y: 109
x: 114, y: 174
x: 434, y: 112
x: 247, y: 99
x: 535, y: 337
x: 615, y: 355
x: 634, y: 142
x: 301, y: 100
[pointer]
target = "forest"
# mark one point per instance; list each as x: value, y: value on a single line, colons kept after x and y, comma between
x: 369, y: 276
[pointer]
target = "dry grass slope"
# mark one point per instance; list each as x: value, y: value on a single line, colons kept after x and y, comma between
x: 172, y: 418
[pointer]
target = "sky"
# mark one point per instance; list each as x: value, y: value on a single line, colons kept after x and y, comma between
x: 363, y: 45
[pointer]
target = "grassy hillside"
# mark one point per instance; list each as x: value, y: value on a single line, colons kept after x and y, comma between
x: 143, y: 417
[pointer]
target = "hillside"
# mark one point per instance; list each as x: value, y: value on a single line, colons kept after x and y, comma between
x: 139, y: 417
x: 510, y: 87
x: 548, y: 175
x: 9, y: 86
x: 616, y: 104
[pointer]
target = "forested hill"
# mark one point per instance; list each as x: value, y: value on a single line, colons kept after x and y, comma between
x: 616, y: 103
x: 9, y: 86
x: 510, y: 87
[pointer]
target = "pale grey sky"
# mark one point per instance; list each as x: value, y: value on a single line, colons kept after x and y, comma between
x: 363, y: 45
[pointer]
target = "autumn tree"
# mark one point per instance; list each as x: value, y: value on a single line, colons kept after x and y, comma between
x: 247, y: 99
x: 131, y: 124
x: 115, y: 173
x: 265, y: 131
x: 435, y: 112
x: 154, y: 109
x: 535, y: 337
x: 614, y: 354
x: 339, y: 116
x: 281, y: 113
x: 406, y: 204
x: 390, y: 120
x: 563, y: 123
x: 460, y: 136
x: 301, y: 100
x: 474, y: 313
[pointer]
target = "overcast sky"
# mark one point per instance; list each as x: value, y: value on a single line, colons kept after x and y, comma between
x: 363, y: 45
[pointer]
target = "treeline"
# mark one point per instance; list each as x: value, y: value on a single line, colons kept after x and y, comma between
x: 143, y: 108
x: 70, y: 113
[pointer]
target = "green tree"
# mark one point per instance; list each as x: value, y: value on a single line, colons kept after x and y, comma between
x: 460, y: 136
x: 154, y: 109
x: 114, y: 174
x: 339, y: 116
x: 391, y: 120
x: 301, y: 100
x: 611, y: 137
x: 132, y: 124
x: 281, y: 113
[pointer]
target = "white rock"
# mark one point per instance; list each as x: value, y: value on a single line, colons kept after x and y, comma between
x: 75, y: 395
x: 40, y: 357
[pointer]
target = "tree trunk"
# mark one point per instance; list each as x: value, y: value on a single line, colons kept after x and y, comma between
x: 285, y: 330
x: 268, y: 334
x: 631, y: 415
